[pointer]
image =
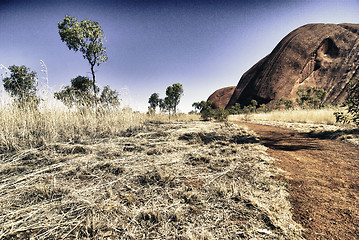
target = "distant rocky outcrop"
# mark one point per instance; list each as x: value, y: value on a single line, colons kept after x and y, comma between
x: 321, y: 56
x: 221, y: 97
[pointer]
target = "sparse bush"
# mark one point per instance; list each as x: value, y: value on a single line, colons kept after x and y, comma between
x: 311, y: 97
x: 236, y: 109
x: 79, y: 94
x: 263, y: 108
x: 254, y: 103
x: 109, y: 97
x: 351, y: 103
x: 205, y: 109
x: 287, y: 103
x: 220, y: 114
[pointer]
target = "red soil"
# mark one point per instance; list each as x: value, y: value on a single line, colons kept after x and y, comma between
x: 323, y: 176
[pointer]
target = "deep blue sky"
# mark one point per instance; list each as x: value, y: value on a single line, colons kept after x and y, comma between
x: 205, y: 45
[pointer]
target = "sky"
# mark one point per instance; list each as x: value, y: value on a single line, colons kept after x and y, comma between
x: 151, y: 44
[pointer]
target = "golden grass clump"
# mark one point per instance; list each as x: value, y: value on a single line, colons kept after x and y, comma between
x: 118, y: 175
x: 28, y: 128
x: 317, y: 116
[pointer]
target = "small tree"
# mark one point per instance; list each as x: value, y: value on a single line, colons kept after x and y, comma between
x: 22, y: 85
x: 86, y: 37
x: 154, y: 101
x: 173, y: 97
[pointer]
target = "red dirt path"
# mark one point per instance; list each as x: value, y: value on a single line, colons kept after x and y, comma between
x: 324, y: 180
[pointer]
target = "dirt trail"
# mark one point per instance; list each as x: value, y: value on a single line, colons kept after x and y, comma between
x: 324, y: 180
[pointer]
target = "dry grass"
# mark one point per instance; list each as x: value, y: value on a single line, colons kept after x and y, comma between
x: 22, y: 129
x: 66, y: 175
x: 317, y: 116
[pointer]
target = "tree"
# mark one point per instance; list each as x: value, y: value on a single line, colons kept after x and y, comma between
x: 22, y: 85
x: 173, y: 97
x: 351, y: 103
x: 154, y: 101
x: 86, y: 37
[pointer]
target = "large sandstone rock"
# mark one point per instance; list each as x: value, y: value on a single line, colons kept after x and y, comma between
x: 221, y: 97
x: 316, y: 55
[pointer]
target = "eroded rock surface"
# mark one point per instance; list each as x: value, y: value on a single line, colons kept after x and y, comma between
x: 221, y: 97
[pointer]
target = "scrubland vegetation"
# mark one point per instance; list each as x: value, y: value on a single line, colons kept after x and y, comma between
x: 89, y: 168
x: 116, y: 174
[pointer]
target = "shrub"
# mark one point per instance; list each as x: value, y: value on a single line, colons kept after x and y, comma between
x: 220, y: 114
x: 205, y: 108
x: 288, y: 104
x: 351, y: 103
x: 311, y: 97
x: 79, y: 94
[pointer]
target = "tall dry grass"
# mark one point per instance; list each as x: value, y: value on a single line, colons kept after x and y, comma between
x: 52, y: 122
x: 28, y: 128
x: 318, y: 116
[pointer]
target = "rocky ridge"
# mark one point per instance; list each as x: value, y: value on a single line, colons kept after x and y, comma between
x: 321, y: 56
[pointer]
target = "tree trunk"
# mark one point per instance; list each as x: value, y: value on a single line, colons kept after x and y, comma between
x: 93, y: 80
x: 94, y: 84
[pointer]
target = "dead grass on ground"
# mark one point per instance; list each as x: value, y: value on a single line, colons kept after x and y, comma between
x: 317, y: 116
x: 154, y: 180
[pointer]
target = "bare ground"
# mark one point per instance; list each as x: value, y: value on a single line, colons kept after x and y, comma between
x: 323, y: 179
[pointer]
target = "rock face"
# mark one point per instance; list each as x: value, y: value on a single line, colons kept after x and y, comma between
x: 221, y: 97
x: 316, y: 55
